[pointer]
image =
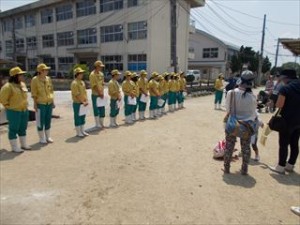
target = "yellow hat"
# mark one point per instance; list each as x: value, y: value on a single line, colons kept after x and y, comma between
x: 78, y: 70
x: 127, y: 73
x: 143, y: 72
x: 172, y: 74
x: 181, y: 73
x: 221, y: 75
x: 160, y: 77
x: 165, y: 74
x: 115, y: 72
x: 99, y: 63
x: 42, y: 67
x: 15, y: 71
x: 154, y: 74
x: 134, y: 75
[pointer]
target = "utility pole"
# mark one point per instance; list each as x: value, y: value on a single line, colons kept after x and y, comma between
x: 173, y: 20
x: 261, y: 52
x: 277, y: 51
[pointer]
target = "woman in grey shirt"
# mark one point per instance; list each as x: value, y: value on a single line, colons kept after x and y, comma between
x: 244, y: 106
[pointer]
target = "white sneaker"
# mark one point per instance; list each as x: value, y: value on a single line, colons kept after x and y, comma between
x: 42, y: 137
x: 128, y: 120
x: 277, y: 169
x: 23, y: 143
x: 78, y: 132
x: 83, y: 131
x: 48, y: 138
x: 14, y: 146
x: 296, y: 210
x: 97, y: 122
x: 289, y: 167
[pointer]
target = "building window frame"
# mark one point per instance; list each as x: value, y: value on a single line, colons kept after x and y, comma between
x: 64, y: 12
x: 32, y: 64
x: 9, y: 47
x: 65, y: 63
x: 31, y: 42
x: 210, y: 53
x: 48, y: 41
x: 111, y: 5
x: 111, y: 33
x: 85, y: 8
x: 113, y: 62
x: 46, y: 16
x: 87, y: 36
x: 20, y: 44
x: 30, y: 20
x: 7, y: 25
x: 137, y: 62
x: 18, y: 23
x: 132, y: 3
x: 65, y: 38
x: 137, y: 30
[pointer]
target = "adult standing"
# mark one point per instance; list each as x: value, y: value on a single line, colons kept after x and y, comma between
x: 13, y: 96
x: 97, y: 85
x: 135, y: 78
x: 79, y: 97
x: 128, y: 88
x: 219, y: 87
x: 115, y: 97
x: 165, y: 91
x: 182, y: 82
x: 242, y: 102
x: 143, y: 86
x: 274, y: 96
x: 42, y: 93
x: 172, y: 92
x: 154, y: 95
x: 288, y: 102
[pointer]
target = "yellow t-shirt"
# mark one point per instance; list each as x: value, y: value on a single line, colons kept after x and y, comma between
x: 96, y: 82
x: 113, y: 89
x: 137, y: 89
x: 153, y: 87
x: 14, y: 96
x: 128, y: 87
x: 161, y: 87
x: 165, y: 86
x: 219, y: 85
x: 78, y: 90
x: 143, y: 84
x: 182, y: 83
x: 172, y: 86
x: 42, y: 90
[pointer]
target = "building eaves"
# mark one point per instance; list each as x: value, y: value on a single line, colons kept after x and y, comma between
x: 28, y: 7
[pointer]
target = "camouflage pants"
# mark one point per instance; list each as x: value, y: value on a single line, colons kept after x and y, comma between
x: 246, y: 153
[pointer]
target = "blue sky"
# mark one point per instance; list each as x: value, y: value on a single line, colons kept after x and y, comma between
x: 239, y: 22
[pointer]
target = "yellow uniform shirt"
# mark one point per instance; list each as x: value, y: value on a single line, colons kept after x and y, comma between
x: 113, y: 89
x: 165, y: 86
x: 137, y: 89
x: 153, y: 87
x: 128, y: 88
x: 42, y: 90
x: 161, y: 87
x: 172, y: 86
x: 143, y: 85
x: 182, y: 83
x: 96, y: 82
x: 78, y: 90
x: 14, y: 96
x: 219, y: 85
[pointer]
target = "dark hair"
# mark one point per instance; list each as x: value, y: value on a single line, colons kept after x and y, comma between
x: 135, y: 79
x: 167, y: 77
x: 14, y: 79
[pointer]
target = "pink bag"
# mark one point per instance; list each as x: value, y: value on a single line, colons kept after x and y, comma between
x: 219, y: 150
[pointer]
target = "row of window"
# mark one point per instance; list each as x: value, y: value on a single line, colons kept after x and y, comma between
x: 136, y: 30
x: 65, y: 12
x: 136, y: 62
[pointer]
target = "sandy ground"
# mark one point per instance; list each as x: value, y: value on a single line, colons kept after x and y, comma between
x: 154, y: 172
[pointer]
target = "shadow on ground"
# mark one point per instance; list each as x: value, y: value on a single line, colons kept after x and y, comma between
x: 8, y: 155
x: 239, y: 180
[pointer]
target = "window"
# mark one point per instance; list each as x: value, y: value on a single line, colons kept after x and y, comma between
x: 111, y: 33
x: 7, y: 25
x: 48, y: 41
x: 19, y: 23
x: 191, y: 50
x: 137, y: 62
x: 87, y: 36
x: 64, y: 12
x: 112, y: 62
x: 32, y: 64
x: 137, y: 30
x: 65, y: 63
x: 49, y: 61
x: 65, y: 38
x: 29, y: 20
x: 31, y: 43
x: 210, y: 52
x: 8, y: 47
x: 46, y: 16
x: 110, y: 5
x: 20, y: 44
x: 132, y: 3
x: 85, y: 8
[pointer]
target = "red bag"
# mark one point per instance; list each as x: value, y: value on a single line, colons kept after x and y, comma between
x: 219, y: 149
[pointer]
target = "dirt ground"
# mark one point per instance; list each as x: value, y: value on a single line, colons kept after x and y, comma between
x: 154, y: 172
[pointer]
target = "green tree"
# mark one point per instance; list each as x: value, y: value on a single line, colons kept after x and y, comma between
x: 266, y: 66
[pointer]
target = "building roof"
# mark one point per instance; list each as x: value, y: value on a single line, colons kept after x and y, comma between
x: 224, y: 43
x: 291, y: 44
